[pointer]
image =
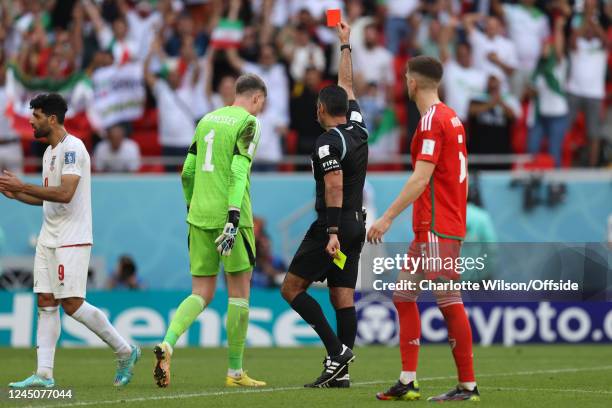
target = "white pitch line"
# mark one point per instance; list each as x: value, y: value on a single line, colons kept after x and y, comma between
x: 278, y: 389
x: 546, y: 389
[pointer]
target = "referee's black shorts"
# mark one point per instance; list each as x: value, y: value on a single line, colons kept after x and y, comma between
x: 313, y: 263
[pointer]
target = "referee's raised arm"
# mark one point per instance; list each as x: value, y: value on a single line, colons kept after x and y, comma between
x: 345, y: 71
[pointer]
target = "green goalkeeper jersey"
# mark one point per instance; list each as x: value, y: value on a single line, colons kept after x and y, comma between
x: 209, y: 181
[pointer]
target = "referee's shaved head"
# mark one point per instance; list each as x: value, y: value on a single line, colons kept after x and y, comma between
x: 249, y: 83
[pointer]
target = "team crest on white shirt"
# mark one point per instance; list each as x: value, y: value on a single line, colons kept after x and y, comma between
x: 52, y: 166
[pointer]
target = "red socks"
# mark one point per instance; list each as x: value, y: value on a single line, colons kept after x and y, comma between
x: 460, y: 339
x: 459, y: 336
x: 410, y: 333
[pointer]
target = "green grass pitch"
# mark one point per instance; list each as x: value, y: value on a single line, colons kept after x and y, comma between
x: 525, y: 376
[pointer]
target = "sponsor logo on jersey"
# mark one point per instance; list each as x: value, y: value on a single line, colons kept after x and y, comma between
x: 428, y: 147
x: 69, y: 157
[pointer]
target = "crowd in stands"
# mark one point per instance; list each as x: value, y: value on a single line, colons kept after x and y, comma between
x: 525, y: 76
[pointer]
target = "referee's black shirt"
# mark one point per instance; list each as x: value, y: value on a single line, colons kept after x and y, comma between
x: 345, y: 148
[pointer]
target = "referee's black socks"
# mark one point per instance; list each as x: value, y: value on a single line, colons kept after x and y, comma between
x: 311, y: 312
x: 346, y: 323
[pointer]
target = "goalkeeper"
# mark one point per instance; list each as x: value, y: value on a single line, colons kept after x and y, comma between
x: 216, y: 186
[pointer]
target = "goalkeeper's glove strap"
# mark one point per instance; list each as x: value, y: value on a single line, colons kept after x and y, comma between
x: 233, y: 217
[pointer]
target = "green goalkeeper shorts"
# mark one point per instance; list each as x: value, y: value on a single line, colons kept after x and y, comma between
x: 204, y: 258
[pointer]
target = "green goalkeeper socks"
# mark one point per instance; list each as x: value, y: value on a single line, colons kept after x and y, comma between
x: 237, y: 325
x: 187, y: 312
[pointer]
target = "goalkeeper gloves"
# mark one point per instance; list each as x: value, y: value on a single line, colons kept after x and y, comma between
x: 225, y: 241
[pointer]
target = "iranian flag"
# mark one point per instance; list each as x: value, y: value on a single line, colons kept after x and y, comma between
x: 21, y: 88
x: 227, y: 34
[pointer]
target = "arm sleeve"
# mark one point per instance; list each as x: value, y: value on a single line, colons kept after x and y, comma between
x: 354, y: 114
x: 240, y: 173
x: 248, y: 138
x: 244, y: 151
x: 330, y: 151
x: 188, y: 174
x: 429, y: 140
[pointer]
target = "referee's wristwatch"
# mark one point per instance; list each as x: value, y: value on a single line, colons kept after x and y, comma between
x: 333, y: 230
x: 348, y: 46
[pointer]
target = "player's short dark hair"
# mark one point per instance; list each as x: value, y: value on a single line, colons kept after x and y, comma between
x: 51, y: 104
x: 248, y: 83
x: 335, y: 100
x: 427, y: 67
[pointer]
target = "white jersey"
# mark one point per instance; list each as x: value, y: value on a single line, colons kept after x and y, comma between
x: 67, y: 224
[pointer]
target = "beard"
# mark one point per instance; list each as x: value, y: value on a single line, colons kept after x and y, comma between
x: 41, y: 133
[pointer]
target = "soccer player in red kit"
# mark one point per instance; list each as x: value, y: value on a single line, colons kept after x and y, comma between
x: 438, y: 189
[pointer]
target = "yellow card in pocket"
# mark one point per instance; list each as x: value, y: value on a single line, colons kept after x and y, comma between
x: 340, y: 259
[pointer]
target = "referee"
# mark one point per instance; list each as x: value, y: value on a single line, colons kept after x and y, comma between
x: 339, y: 163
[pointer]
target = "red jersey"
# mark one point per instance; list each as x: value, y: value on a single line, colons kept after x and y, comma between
x: 440, y: 139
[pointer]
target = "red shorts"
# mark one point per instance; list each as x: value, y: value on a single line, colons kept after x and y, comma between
x: 438, y: 256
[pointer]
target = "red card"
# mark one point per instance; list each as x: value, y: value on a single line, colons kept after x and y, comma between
x: 333, y: 17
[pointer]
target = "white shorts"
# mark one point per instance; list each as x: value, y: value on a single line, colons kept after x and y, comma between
x: 61, y: 271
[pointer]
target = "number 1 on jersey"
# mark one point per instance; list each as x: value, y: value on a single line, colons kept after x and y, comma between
x: 208, y: 139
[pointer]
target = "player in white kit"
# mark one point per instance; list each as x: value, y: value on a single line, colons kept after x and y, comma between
x: 64, y: 244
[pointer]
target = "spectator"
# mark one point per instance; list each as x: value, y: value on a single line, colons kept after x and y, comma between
x: 125, y: 275
x: 143, y: 22
x: 226, y: 92
x: 381, y: 122
x: 358, y: 21
x: 175, y: 116
x: 493, y: 53
x: 185, y: 28
x: 304, y: 111
x: 396, y: 24
x: 373, y: 63
x: 316, y: 8
x: 461, y: 80
x: 491, y: 117
x: 528, y: 29
x: 11, y: 155
x: 117, y: 154
x: 551, y: 109
x: 302, y: 53
x: 428, y: 38
x: 269, y: 149
x: 123, y: 48
x: 272, y: 72
x: 212, y: 98
x: 586, y: 85
x: 429, y: 30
